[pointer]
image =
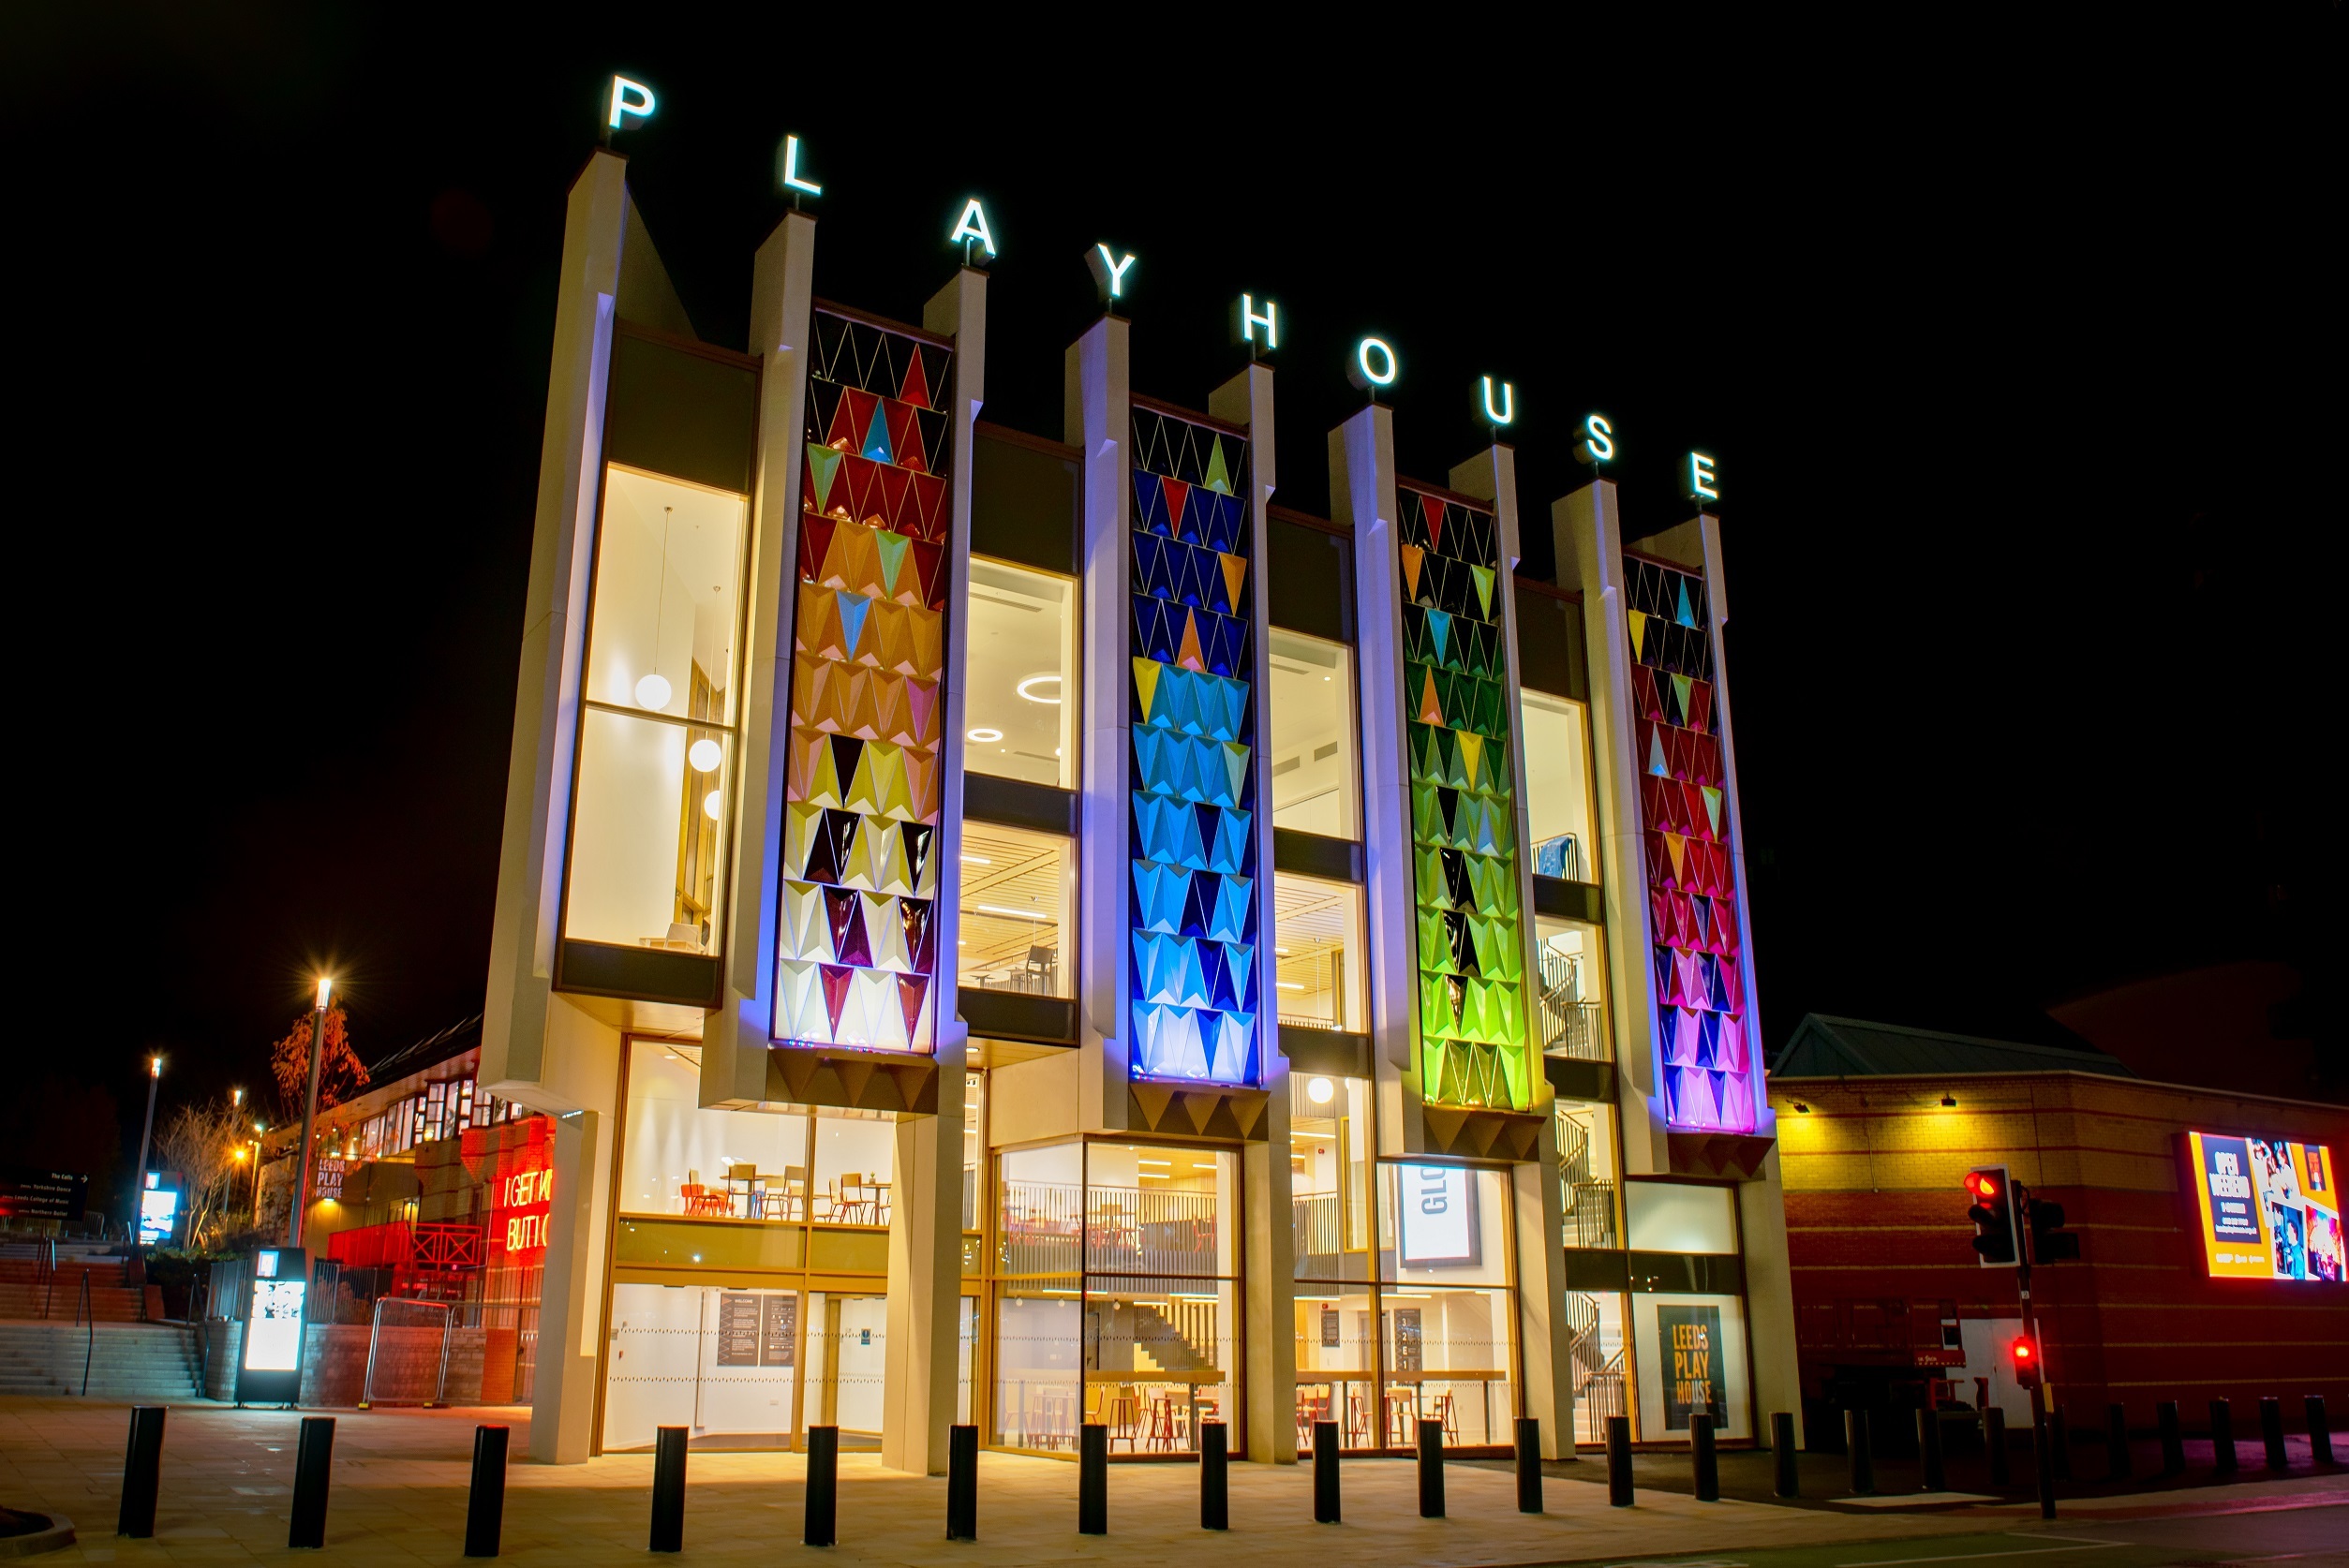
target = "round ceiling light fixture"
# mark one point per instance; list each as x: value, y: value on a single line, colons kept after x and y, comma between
x: 712, y: 804
x: 653, y: 693
x: 1321, y: 1091
x: 984, y: 736
x: 1050, y: 678
x: 706, y: 755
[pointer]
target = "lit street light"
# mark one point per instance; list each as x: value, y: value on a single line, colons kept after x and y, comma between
x: 146, y: 1134
x: 309, y: 1112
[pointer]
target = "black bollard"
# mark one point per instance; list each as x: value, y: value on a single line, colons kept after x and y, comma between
x: 962, y: 1483
x: 1707, y: 1463
x: 2173, y: 1441
x: 2115, y: 1443
x: 668, y: 1489
x: 1215, y: 1475
x: 1863, y: 1461
x: 313, y: 1461
x: 1994, y: 1443
x: 1092, y: 1479
x: 2058, y: 1444
x: 1936, y: 1477
x: 142, y: 1474
x: 1325, y: 1472
x: 2271, y: 1430
x: 486, y: 1507
x: 1528, y: 1464
x: 824, y: 1486
x: 1789, y: 1479
x: 2320, y: 1432
x: 1618, y: 1462
x: 1431, y: 1469
x: 2222, y: 1437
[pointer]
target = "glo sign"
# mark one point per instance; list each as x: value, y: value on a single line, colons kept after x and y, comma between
x: 1435, y: 1212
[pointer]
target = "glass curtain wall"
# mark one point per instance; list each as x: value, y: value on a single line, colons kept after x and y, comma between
x: 773, y: 1208
x: 1557, y: 787
x: 1117, y: 1295
x: 658, y: 733
x: 1404, y: 1304
x: 1572, y: 998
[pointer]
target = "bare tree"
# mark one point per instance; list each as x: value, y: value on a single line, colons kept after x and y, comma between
x: 204, y: 1144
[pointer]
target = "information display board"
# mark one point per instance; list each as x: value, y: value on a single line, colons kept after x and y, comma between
x: 2270, y: 1208
x: 1437, y: 1207
x: 269, y: 1370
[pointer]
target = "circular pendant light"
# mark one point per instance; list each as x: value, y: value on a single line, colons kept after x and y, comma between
x: 706, y: 755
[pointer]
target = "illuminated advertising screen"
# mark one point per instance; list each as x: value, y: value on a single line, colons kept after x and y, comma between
x: 158, y: 1215
x: 2270, y: 1208
x: 1438, y: 1214
x: 272, y: 1330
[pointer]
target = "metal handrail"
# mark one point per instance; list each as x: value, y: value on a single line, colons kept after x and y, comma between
x: 48, y: 1267
x: 202, y: 1331
x: 89, y: 1354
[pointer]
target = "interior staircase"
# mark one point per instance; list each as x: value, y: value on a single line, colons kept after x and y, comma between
x: 1598, y: 1388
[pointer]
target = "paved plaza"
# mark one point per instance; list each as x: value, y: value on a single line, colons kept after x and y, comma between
x: 399, y: 1493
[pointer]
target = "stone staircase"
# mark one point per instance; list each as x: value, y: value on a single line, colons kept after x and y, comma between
x: 126, y: 1360
x: 29, y: 1290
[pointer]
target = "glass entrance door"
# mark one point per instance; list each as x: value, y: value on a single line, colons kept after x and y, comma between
x: 848, y: 1344
x: 721, y: 1363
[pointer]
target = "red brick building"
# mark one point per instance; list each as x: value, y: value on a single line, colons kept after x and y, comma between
x: 1877, y: 1127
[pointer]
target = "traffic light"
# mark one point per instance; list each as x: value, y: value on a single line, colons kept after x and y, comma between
x: 2050, y: 1241
x: 2026, y: 1362
x: 1993, y: 1214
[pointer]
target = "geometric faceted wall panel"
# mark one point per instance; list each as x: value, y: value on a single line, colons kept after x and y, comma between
x: 1473, y: 1045
x: 1699, y: 978
x: 857, y: 955
x: 1191, y: 715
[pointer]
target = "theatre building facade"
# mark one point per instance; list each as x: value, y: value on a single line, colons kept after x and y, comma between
x: 1018, y: 928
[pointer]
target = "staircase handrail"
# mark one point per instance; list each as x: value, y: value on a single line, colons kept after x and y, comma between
x: 89, y: 1353
x: 46, y: 1263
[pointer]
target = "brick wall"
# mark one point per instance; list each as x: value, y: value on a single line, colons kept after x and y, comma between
x: 1875, y: 1210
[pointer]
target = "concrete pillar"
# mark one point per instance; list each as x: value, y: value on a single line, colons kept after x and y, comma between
x: 571, y: 1303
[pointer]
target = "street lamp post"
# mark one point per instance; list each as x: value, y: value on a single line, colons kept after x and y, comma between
x: 309, y: 1112
x: 258, y: 1131
x: 146, y: 1134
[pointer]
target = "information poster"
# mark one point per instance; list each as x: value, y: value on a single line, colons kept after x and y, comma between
x: 2270, y: 1208
x: 1694, y: 1379
x: 1437, y: 1208
x: 738, y: 1330
x: 780, y: 1332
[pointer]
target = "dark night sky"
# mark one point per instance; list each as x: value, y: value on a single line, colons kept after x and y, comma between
x: 2025, y: 499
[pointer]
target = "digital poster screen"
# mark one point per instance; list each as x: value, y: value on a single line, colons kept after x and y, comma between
x: 2270, y: 1208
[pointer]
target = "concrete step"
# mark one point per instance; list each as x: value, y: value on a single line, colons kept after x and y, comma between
x: 124, y: 1360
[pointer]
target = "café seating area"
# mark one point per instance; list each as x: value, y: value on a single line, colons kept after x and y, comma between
x: 746, y: 1193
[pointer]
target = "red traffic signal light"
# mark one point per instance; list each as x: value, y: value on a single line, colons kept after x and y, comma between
x: 1993, y: 1214
x: 2026, y: 1362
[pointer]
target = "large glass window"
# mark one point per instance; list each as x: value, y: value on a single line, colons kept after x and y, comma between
x: 1601, y: 1366
x: 1331, y: 1160
x: 1573, y: 1019
x: 680, y: 1158
x: 655, y: 743
x: 1317, y: 949
x: 1019, y: 690
x: 1315, y: 746
x: 1446, y: 1345
x: 677, y: 1158
x: 1680, y: 1217
x: 1015, y: 893
x: 1557, y: 787
x: 1587, y: 1174
x: 1140, y: 1335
